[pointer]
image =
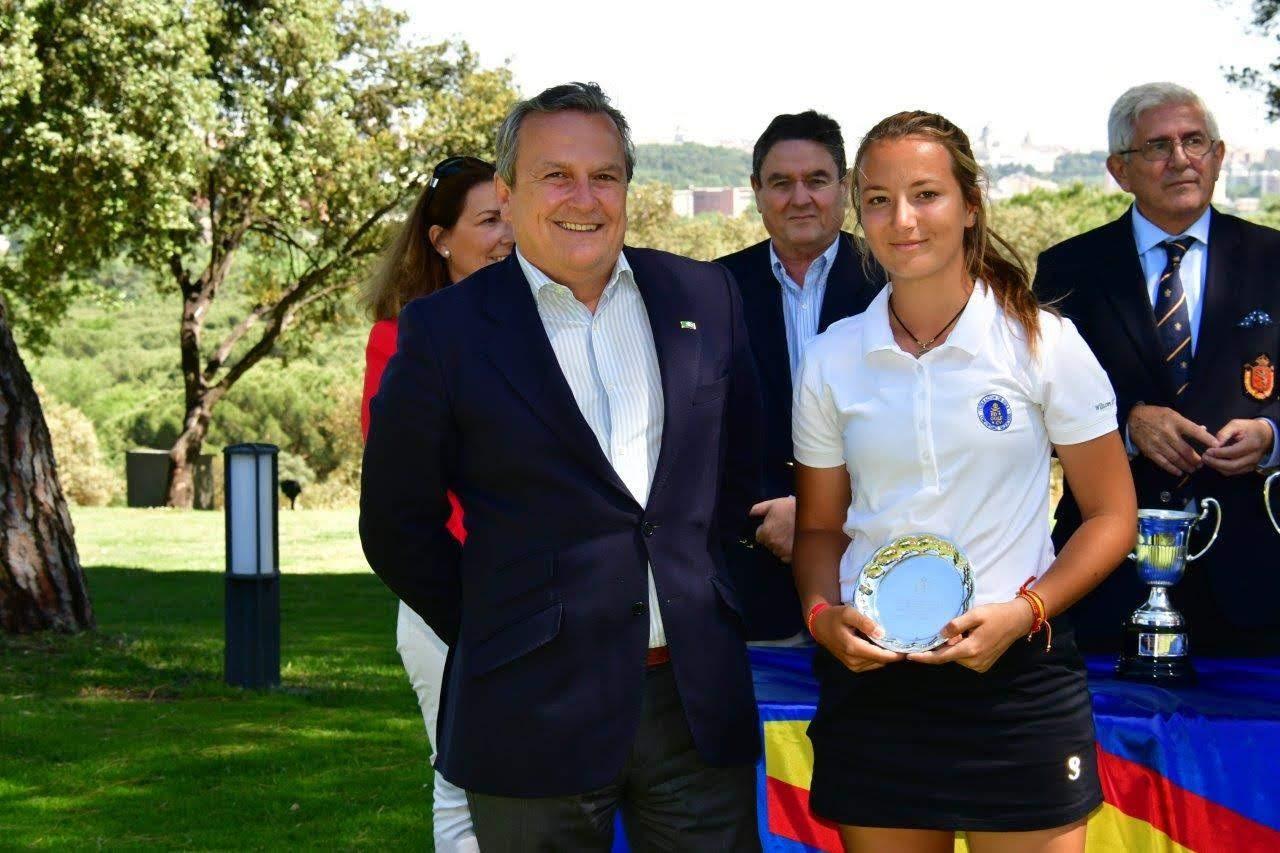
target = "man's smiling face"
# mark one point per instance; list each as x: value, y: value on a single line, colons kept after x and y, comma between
x: 568, y: 206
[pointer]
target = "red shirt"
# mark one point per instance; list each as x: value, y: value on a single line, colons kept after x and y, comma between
x: 381, y: 346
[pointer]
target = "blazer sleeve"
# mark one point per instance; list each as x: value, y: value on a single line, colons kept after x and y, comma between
x: 404, y: 505
x: 1054, y: 291
x: 743, y: 475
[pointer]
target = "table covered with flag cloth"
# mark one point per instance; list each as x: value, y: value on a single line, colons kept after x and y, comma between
x: 1191, y: 769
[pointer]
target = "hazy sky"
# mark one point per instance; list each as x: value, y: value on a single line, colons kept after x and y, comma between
x: 717, y: 71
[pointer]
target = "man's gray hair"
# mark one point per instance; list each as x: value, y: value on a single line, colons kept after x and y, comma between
x: 1133, y: 103
x: 570, y: 97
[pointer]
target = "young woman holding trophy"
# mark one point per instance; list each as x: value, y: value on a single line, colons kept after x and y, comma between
x: 952, y: 697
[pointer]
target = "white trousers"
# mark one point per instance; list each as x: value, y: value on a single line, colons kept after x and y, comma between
x: 423, y: 654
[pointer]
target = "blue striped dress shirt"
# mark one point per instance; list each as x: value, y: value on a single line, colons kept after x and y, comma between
x: 802, y: 306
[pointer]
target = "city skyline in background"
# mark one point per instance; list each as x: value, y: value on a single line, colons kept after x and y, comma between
x: 1034, y: 76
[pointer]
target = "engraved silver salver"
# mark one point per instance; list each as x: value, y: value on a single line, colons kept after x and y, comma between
x: 912, y: 587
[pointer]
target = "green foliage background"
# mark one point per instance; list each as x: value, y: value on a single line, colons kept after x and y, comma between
x: 691, y: 164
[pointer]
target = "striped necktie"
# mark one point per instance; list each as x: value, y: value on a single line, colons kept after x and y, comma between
x: 1173, y: 321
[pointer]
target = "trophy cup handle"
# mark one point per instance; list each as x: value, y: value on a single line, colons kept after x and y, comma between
x: 1217, y: 523
x: 1266, y: 499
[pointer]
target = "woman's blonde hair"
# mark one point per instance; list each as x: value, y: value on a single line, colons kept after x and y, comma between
x: 411, y: 267
x: 988, y: 256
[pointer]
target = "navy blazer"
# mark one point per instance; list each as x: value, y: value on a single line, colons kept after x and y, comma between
x: 545, y: 607
x: 764, y: 583
x: 1096, y: 279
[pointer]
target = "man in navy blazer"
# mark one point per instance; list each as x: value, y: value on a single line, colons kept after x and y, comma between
x: 806, y: 276
x: 1179, y: 303
x: 597, y: 413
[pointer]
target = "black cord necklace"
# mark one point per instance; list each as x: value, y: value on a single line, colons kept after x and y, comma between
x: 923, y: 346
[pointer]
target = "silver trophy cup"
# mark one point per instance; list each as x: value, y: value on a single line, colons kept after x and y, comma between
x: 1156, y: 647
x: 1266, y: 500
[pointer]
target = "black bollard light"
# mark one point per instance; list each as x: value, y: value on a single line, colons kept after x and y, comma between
x: 253, y: 576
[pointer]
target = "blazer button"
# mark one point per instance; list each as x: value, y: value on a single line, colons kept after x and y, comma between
x: 1165, y: 497
x: 791, y: 463
x: 746, y: 543
x: 648, y: 527
x: 637, y: 609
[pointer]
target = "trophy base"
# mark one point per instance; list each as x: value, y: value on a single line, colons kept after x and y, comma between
x: 1155, y: 654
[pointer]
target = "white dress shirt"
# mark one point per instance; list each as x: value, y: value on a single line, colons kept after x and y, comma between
x: 923, y: 449
x: 802, y: 304
x: 1150, y: 239
x: 611, y: 365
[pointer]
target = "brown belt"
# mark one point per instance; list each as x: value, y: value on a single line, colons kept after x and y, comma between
x: 658, y: 656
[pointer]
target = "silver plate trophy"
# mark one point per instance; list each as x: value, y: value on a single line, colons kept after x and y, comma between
x: 1266, y: 499
x: 912, y: 587
x: 1156, y: 647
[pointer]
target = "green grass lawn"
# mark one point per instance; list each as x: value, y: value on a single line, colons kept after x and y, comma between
x: 128, y: 738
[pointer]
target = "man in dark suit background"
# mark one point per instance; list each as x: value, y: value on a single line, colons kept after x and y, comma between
x: 806, y: 276
x: 1181, y: 305
x: 596, y: 411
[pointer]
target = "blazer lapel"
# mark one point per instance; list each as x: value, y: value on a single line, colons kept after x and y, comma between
x: 1220, y: 293
x: 679, y: 352
x: 849, y: 290
x: 519, y: 348
x: 1126, y: 287
x: 766, y: 328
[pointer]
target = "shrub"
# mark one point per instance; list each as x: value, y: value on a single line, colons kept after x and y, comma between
x: 85, y: 478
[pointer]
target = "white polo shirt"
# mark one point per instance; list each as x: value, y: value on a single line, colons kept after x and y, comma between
x: 955, y: 443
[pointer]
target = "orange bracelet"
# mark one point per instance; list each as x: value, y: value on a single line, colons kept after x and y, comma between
x: 813, y: 614
x: 1039, y: 613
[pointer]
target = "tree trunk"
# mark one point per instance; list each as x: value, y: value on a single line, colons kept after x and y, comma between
x: 184, y: 455
x: 42, y: 585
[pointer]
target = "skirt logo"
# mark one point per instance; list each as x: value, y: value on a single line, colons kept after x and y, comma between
x: 1259, y: 378
x: 994, y: 412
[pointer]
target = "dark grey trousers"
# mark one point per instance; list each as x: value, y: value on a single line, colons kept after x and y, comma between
x: 670, y: 799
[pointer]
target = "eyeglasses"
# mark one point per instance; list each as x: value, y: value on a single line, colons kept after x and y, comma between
x: 449, y: 167
x: 1192, y: 145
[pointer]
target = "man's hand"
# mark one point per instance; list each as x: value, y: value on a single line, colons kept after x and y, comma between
x: 778, y: 530
x: 1242, y: 444
x: 1161, y: 435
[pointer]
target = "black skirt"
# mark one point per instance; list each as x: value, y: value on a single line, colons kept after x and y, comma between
x: 916, y: 746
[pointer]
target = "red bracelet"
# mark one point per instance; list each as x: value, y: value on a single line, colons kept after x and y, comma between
x: 1040, y: 617
x: 813, y: 614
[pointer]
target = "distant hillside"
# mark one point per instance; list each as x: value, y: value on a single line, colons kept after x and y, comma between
x: 691, y: 164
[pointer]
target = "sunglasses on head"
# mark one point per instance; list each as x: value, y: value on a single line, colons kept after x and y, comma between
x: 449, y: 167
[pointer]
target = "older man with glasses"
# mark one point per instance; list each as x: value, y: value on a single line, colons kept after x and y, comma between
x: 1180, y: 304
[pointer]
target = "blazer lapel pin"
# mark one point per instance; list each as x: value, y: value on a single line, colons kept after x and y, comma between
x: 1255, y: 319
x: 689, y: 325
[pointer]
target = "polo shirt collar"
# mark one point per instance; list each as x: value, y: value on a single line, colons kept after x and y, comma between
x: 969, y: 333
x: 1147, y: 235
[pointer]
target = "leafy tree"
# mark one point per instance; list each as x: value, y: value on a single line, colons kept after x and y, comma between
x: 280, y: 135
x: 1037, y: 220
x: 1266, y: 81
x: 42, y: 585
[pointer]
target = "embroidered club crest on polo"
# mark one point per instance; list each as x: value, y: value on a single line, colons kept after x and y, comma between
x: 994, y: 412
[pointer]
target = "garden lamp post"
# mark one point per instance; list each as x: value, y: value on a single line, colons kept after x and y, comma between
x: 253, y: 573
